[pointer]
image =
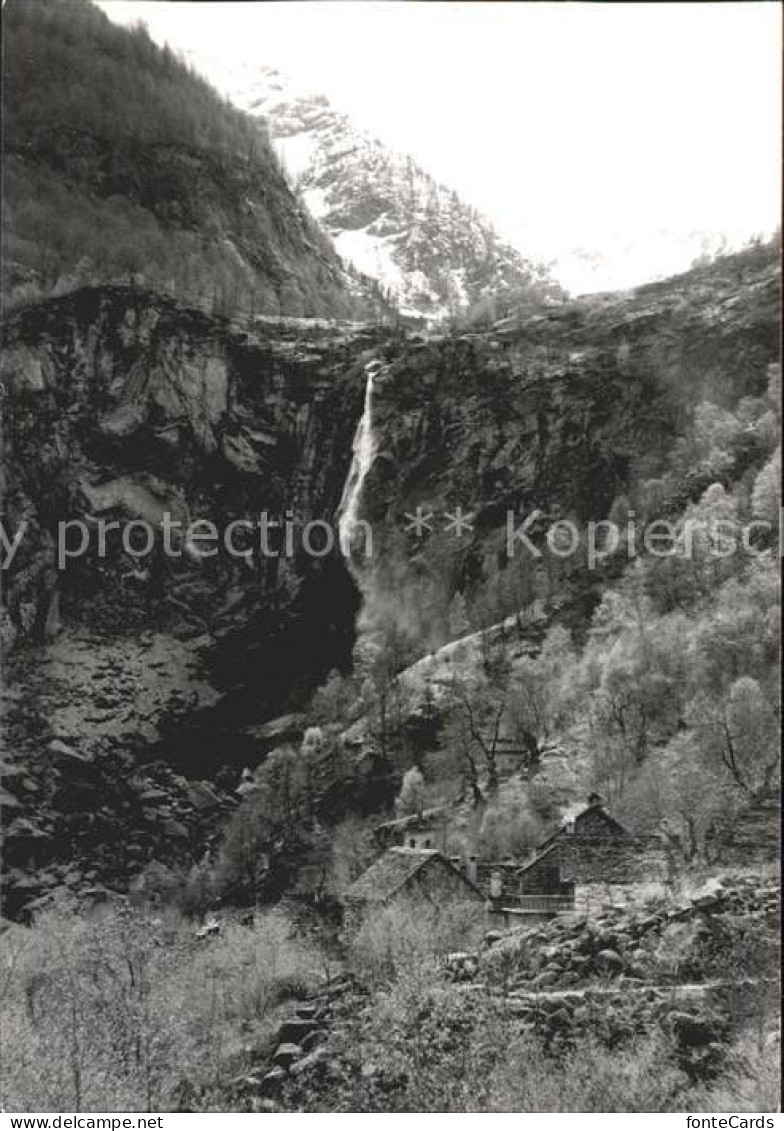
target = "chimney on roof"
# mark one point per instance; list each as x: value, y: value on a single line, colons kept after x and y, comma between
x: 472, y: 869
x: 594, y: 800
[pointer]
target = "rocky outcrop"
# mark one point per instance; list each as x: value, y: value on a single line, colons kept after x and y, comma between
x: 126, y: 403
x: 696, y: 967
x: 696, y: 939
x: 555, y: 416
x: 298, y: 1054
x: 562, y: 408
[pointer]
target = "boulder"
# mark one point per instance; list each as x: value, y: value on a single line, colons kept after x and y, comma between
x: 272, y: 1080
x: 309, y: 1063
x: 314, y: 1038
x: 546, y: 978
x: 294, y: 1029
x: 286, y: 1054
x: 210, y: 928
x: 606, y: 940
x: 307, y: 1011
x: 707, y: 901
x: 246, y: 1082
x: 174, y: 830
x: 64, y: 753
x: 692, y: 1031
x: 609, y: 960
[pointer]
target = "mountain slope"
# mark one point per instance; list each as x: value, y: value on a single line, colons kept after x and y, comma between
x: 121, y: 404
x: 154, y: 177
x: 431, y: 252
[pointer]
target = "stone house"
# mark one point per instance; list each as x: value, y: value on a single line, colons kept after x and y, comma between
x: 586, y: 840
x: 427, y: 829
x: 589, y: 851
x: 408, y: 874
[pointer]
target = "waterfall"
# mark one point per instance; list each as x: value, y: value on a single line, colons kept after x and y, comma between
x: 364, y: 454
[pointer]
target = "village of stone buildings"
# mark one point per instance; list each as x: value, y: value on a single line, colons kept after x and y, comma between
x: 584, y: 862
x: 589, y: 862
x: 590, y: 931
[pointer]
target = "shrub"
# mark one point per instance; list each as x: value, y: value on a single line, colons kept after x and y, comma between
x: 412, y: 933
x: 425, y: 1046
x: 123, y: 1011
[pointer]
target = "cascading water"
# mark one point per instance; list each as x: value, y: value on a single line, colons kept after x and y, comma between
x: 364, y: 454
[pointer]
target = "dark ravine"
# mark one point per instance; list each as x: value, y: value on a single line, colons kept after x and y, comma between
x: 121, y: 404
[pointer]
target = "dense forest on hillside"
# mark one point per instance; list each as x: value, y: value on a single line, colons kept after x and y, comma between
x: 121, y: 162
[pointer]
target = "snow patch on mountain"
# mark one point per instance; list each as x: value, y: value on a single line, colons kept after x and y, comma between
x: 372, y: 255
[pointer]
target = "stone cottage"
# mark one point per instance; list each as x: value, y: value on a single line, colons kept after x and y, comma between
x: 590, y: 853
x: 409, y: 874
x: 427, y: 829
x: 590, y: 857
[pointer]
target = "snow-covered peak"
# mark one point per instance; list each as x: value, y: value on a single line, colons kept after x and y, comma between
x: 430, y: 252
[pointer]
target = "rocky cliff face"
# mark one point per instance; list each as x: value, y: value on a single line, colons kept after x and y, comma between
x: 431, y: 252
x: 560, y: 408
x: 124, y: 403
x: 559, y: 413
x: 124, y: 406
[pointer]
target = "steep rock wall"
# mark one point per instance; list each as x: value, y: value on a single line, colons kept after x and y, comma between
x: 123, y: 405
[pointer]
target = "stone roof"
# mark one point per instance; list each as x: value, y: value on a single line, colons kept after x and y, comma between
x: 437, y: 814
x: 203, y: 796
x: 392, y: 871
x: 569, y: 833
x: 540, y: 854
x: 570, y: 828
